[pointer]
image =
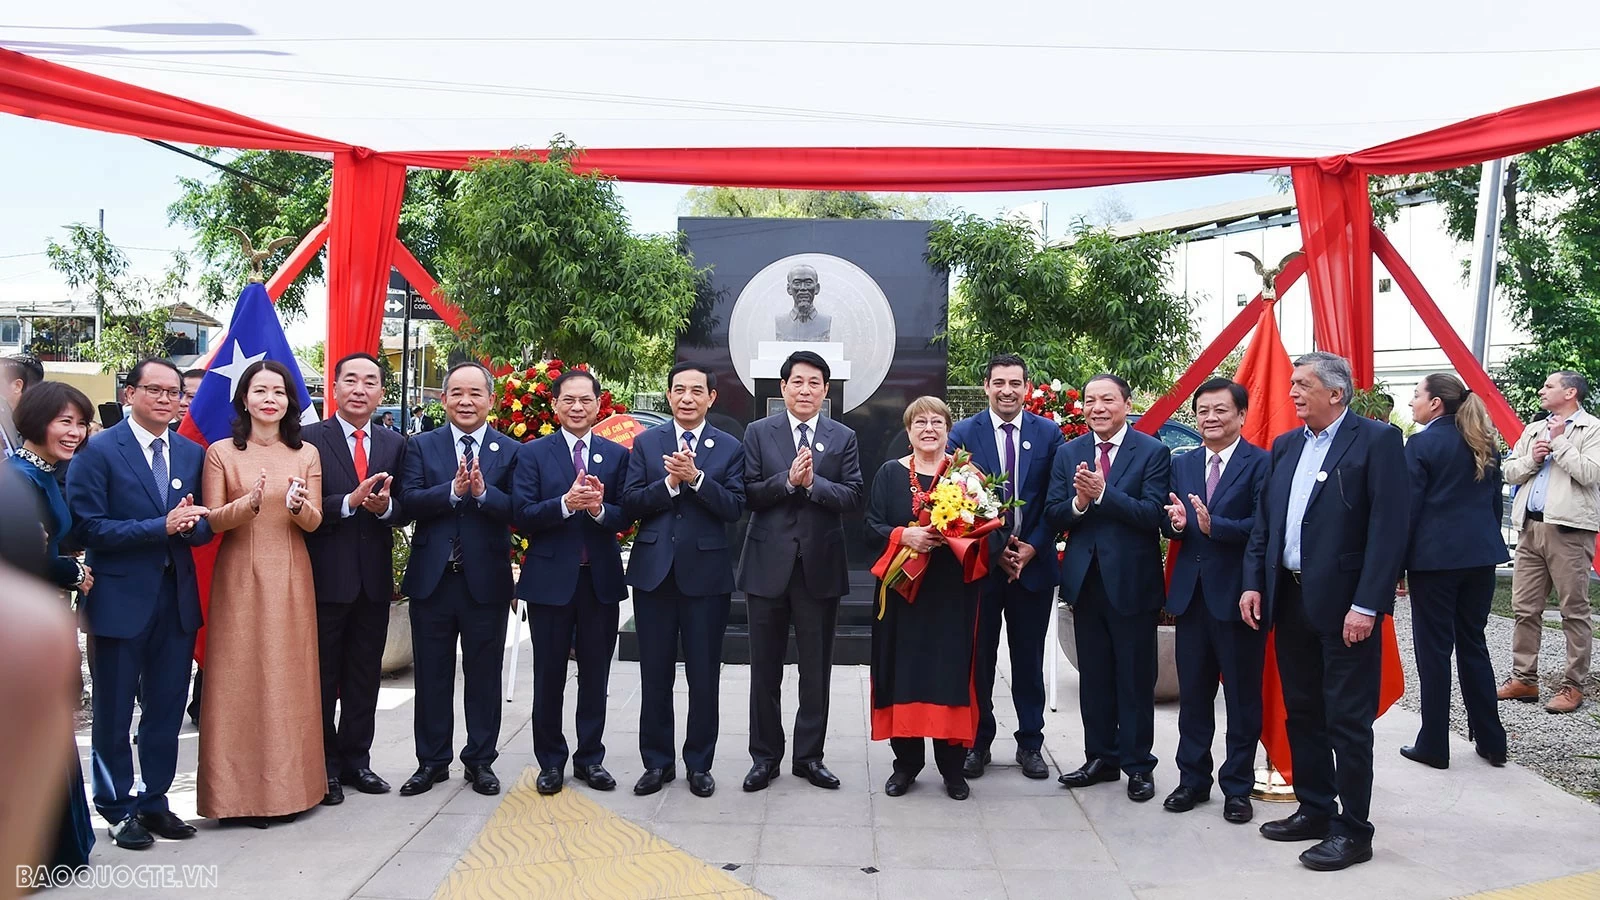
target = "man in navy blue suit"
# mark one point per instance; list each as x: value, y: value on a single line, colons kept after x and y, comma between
x: 1215, y: 491
x: 455, y: 483
x: 1022, y: 578
x: 131, y: 490
x: 568, y: 495
x: 1107, y: 492
x: 686, y: 487
x: 1321, y: 566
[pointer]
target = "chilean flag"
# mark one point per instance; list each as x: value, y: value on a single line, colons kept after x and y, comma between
x: 254, y: 333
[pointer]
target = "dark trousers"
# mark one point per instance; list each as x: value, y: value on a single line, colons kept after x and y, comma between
x: 1209, y: 649
x: 1116, y: 678
x: 1449, y: 609
x: 1330, y: 693
x: 194, y: 694
x: 438, y: 622
x: 589, y: 627
x: 154, y: 663
x: 814, y: 619
x: 350, y: 639
x: 910, y: 755
x: 1027, y: 620
x: 664, y: 618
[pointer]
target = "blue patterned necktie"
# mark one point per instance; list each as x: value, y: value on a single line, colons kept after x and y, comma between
x: 158, y: 469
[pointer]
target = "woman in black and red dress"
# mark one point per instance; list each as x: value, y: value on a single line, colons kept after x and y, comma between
x: 922, y: 652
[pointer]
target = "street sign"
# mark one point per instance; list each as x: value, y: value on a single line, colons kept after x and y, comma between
x: 394, y: 307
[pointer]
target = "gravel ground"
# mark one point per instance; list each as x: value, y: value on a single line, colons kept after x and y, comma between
x: 1550, y: 745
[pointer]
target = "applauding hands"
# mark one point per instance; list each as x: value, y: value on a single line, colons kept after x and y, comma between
x: 372, y: 494
x: 587, y: 494
x: 680, y: 468
x: 800, y: 471
x: 185, y: 515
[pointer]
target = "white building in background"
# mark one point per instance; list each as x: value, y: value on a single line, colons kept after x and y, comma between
x: 1206, y: 268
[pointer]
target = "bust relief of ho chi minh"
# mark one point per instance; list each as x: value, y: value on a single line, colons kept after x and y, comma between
x: 803, y: 322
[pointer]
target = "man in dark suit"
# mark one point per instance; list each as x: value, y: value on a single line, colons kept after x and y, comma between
x: 802, y: 475
x: 685, y: 486
x: 568, y: 501
x: 1107, y: 492
x: 352, y: 564
x: 1215, y: 491
x: 1324, y: 555
x: 131, y: 492
x: 1022, y: 577
x: 455, y: 483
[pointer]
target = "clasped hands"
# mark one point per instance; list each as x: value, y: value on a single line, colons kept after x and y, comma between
x: 183, y: 517
x: 1089, y: 484
x: 801, y: 474
x: 1015, y: 557
x: 372, y: 494
x: 680, y: 468
x: 1179, y: 515
x: 587, y: 494
x: 468, y: 480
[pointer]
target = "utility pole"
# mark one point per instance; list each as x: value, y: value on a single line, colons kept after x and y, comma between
x: 99, y: 281
x: 405, y: 365
x: 1486, y: 235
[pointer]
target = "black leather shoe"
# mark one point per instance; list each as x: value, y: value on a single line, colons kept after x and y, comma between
x: 1298, y: 827
x: 595, y: 776
x: 1496, y: 759
x: 898, y: 784
x: 652, y: 780
x: 1412, y: 754
x: 166, y: 825
x: 972, y: 766
x: 701, y: 784
x: 1238, y: 810
x: 817, y: 774
x: 1094, y: 771
x: 423, y: 780
x: 335, y: 794
x: 1182, y: 799
x: 260, y: 822
x: 1335, y: 853
x: 549, y: 781
x: 958, y: 790
x: 1032, y: 763
x: 129, y: 834
x: 761, y: 775
x: 1141, y: 787
x: 366, y: 781
x: 483, y: 779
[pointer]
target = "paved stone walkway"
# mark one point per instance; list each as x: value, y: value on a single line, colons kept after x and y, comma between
x: 1440, y: 833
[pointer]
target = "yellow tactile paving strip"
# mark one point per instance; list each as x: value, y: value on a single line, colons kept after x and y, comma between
x: 1583, y: 886
x: 568, y: 846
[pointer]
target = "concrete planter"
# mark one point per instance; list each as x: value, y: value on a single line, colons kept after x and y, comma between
x: 397, y: 654
x: 1166, y: 653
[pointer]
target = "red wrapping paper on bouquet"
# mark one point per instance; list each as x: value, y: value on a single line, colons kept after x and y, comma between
x: 900, y: 568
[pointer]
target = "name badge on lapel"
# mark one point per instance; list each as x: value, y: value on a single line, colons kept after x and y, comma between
x: 494, y: 447
x: 817, y: 448
x: 177, y: 484
x: 708, y: 443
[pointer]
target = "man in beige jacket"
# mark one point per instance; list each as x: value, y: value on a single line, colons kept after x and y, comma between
x: 1556, y: 464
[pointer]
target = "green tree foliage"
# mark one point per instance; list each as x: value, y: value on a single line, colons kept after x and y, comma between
x: 1100, y: 303
x: 133, y: 322
x: 790, y: 204
x: 541, y: 261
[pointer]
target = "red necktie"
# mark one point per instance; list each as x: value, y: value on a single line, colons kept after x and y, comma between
x: 361, y: 456
x: 1105, y: 460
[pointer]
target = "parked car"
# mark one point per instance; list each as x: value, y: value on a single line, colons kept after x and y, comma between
x: 1178, y: 437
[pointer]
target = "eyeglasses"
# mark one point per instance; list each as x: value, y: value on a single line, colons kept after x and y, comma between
x: 156, y: 393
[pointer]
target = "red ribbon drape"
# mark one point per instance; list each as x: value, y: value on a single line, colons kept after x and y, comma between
x: 298, y: 259
x: 367, y: 190
x: 412, y: 271
x: 1336, y: 225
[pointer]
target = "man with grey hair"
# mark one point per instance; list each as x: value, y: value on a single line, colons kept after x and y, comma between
x: 803, y: 322
x: 1556, y: 462
x: 1324, y: 555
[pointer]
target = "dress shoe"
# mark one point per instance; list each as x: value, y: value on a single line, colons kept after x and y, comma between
x: 335, y: 794
x: 817, y: 774
x: 595, y: 776
x: 1495, y: 758
x: 1298, y: 827
x: 129, y: 834
x: 898, y: 784
x: 1566, y: 700
x: 423, y: 780
x: 1336, y: 852
x: 1238, y: 810
x: 1092, y: 772
x: 958, y: 790
x: 283, y: 820
x: 549, y: 781
x: 366, y: 781
x: 652, y: 780
x: 972, y: 766
x: 1415, y: 755
x: 1032, y: 763
x: 701, y: 784
x: 260, y: 822
x: 166, y: 825
x: 1141, y: 787
x: 1518, y: 690
x: 761, y: 775
x: 483, y: 779
x: 1183, y: 798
